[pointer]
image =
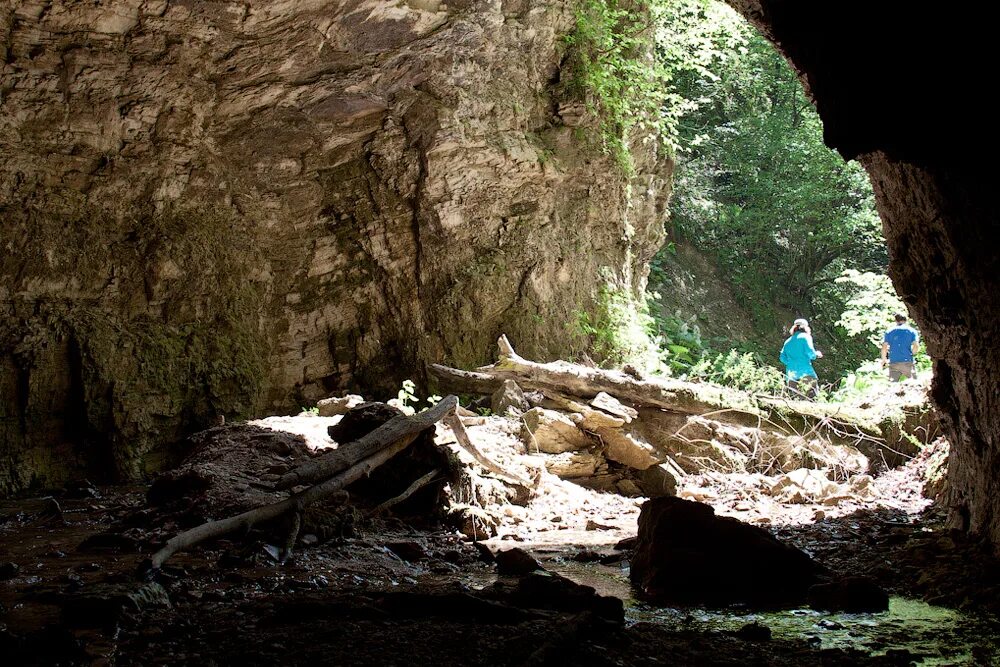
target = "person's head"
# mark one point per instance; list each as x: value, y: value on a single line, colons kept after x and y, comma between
x: 900, y: 318
x: 798, y: 325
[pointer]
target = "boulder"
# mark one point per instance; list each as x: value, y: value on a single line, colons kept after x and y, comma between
x: 628, y: 449
x: 509, y: 399
x: 553, y: 432
x: 686, y: 555
x: 659, y: 480
x: 571, y: 465
x: 331, y: 407
x: 546, y: 590
x: 850, y: 594
x: 515, y: 561
x: 613, y: 406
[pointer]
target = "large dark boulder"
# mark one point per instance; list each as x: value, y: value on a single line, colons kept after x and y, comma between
x: 686, y: 555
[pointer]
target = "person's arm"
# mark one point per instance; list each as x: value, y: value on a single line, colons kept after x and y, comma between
x: 885, y: 351
x: 811, y: 349
x: 915, y: 345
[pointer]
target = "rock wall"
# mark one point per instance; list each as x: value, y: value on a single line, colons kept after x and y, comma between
x: 897, y: 89
x: 213, y: 209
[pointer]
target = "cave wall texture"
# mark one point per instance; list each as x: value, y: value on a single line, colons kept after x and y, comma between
x: 216, y: 208
x: 898, y: 87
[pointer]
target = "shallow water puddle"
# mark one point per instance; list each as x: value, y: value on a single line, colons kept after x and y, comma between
x: 932, y: 635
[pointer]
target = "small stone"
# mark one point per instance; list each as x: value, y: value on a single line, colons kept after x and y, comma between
x: 516, y: 562
x: 587, y: 556
x: 509, y: 399
x: 408, y: 551
x: 452, y: 556
x: 628, y: 488
x: 593, y: 525
x: 658, y: 480
x: 9, y: 571
x: 754, y: 632
x: 309, y: 540
x: 485, y: 553
x: 331, y: 407
x: 626, y: 544
x: 553, y: 432
x: 612, y: 405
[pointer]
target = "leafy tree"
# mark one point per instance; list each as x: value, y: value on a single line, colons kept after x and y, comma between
x: 783, y: 214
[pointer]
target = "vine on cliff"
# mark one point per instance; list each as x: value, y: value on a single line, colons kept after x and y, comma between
x: 626, y: 56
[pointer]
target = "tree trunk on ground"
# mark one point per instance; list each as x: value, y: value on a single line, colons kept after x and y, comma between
x: 399, y: 428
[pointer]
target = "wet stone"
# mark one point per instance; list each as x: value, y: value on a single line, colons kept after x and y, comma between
x: 408, y: 551
x: 515, y: 562
x: 851, y: 594
x: 545, y: 590
x: 104, y: 604
x: 754, y: 632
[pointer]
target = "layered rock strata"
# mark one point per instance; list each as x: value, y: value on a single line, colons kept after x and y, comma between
x: 212, y: 209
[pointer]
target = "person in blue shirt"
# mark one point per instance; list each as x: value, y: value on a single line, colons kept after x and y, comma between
x: 797, y: 355
x: 899, y: 345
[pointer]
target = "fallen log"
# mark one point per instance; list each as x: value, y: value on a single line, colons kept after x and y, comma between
x: 456, y: 381
x: 584, y: 382
x: 340, y: 469
x: 292, y: 505
x: 398, y: 429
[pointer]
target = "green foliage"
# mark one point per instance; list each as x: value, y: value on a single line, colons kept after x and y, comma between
x: 679, y: 339
x: 407, y: 400
x: 624, y: 55
x: 756, y: 187
x: 612, y: 71
x: 620, y: 329
x: 870, y: 379
x: 871, y: 306
x: 740, y: 370
x: 406, y: 396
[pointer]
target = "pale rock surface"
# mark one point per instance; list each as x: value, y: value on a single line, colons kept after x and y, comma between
x: 222, y: 209
x: 338, y: 405
x: 509, y: 399
x: 553, y: 432
x: 570, y: 465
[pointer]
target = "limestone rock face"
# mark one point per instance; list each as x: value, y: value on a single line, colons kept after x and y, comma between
x: 927, y: 143
x: 219, y: 209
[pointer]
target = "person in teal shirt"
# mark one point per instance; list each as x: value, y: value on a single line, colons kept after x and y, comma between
x: 797, y: 355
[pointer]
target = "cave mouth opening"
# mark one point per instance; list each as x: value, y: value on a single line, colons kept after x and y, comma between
x: 767, y: 225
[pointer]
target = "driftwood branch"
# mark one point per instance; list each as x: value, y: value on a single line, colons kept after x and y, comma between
x: 410, y: 490
x: 349, y: 466
x: 465, y: 442
x: 396, y: 429
x: 295, y: 503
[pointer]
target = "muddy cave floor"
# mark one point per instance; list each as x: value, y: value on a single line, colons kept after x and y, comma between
x: 409, y: 591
